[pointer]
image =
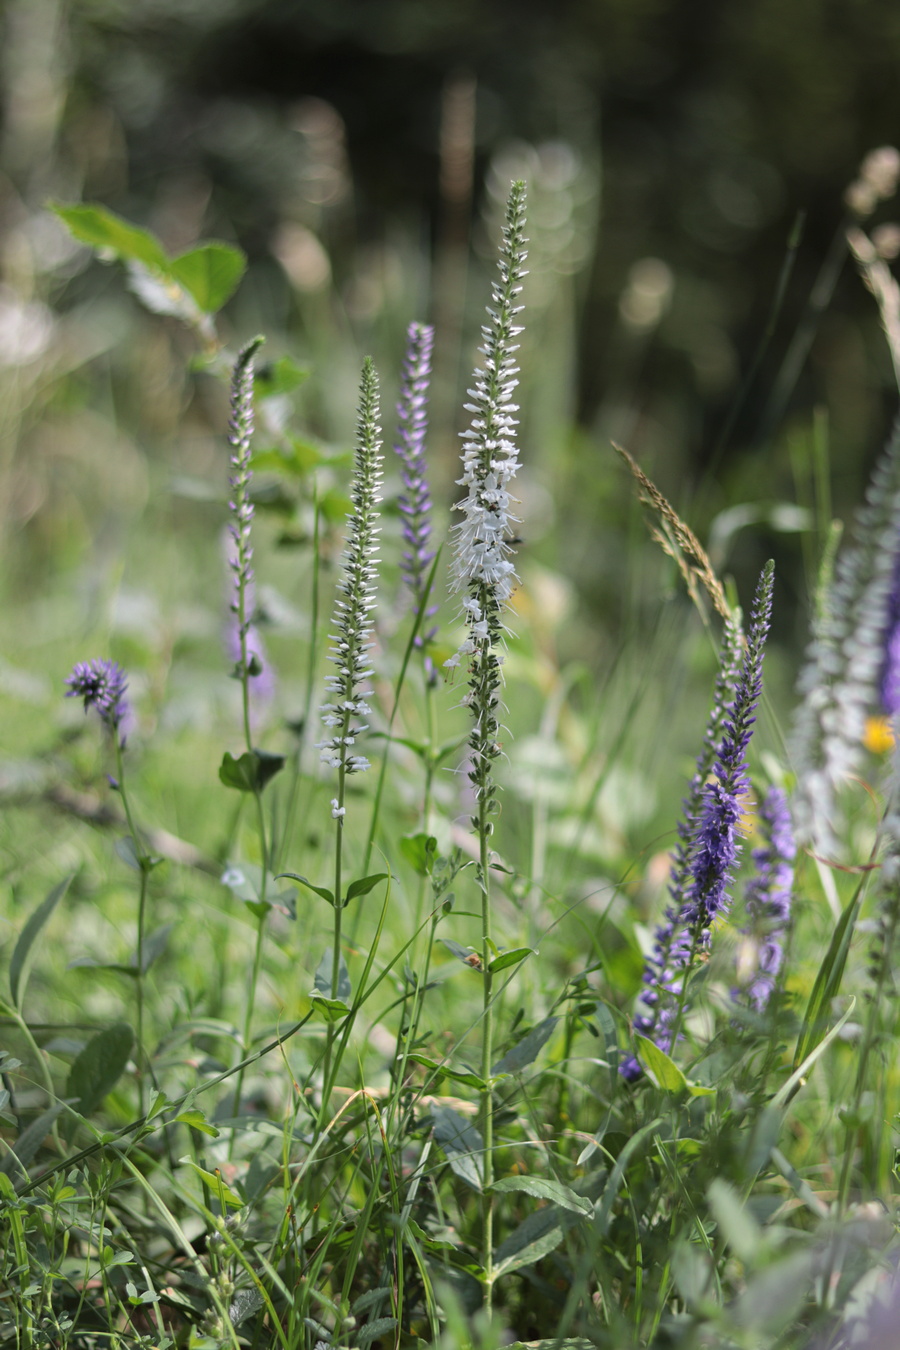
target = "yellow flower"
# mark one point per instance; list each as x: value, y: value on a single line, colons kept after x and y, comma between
x: 878, y: 735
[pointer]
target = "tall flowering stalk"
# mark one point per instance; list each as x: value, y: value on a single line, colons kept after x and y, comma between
x: 247, y: 665
x: 351, y: 645
x: 660, y: 977
x: 483, y: 569
x: 851, y: 669
x: 709, y: 847
x: 768, y: 898
x: 415, y: 500
x: 102, y: 686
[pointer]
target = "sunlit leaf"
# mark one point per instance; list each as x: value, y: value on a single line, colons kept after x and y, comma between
x: 23, y: 952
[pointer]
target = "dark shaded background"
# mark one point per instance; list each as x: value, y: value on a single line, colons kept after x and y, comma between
x: 359, y: 150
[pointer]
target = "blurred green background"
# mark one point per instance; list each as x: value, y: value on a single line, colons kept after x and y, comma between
x: 687, y: 166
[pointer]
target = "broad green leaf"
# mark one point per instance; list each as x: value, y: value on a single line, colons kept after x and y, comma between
x: 536, y: 1236
x: 99, y: 1067
x: 419, y: 850
x: 210, y: 272
x: 197, y: 1121
x: 380, y: 1326
x: 736, y: 1224
x: 462, y: 1144
x: 109, y: 233
x: 161, y: 293
x: 323, y: 978
x: 828, y: 980
x: 363, y: 886
x: 30, y: 1140
x: 527, y: 1049
x: 663, y: 1071
x: 154, y: 945
x: 281, y: 376
x: 510, y: 958
x: 251, y: 772
x: 302, y: 881
x: 544, y: 1188
x: 216, y: 1185
x: 332, y: 1009
x: 370, y: 1299
x: 23, y: 955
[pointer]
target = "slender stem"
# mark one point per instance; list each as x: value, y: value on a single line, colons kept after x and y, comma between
x: 144, y: 863
x: 487, y: 1054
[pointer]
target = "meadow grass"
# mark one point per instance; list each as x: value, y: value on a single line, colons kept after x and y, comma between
x: 388, y: 993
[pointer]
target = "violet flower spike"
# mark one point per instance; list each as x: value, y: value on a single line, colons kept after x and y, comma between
x: 715, y: 847
x: 769, y: 896
x: 658, y: 973
x: 356, y: 596
x: 102, y: 685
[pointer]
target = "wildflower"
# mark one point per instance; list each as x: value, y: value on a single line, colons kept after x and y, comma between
x: 490, y: 460
x: 415, y: 501
x: 769, y: 896
x: 102, y: 685
x: 852, y: 666
x: 356, y: 593
x: 240, y: 433
x: 709, y: 846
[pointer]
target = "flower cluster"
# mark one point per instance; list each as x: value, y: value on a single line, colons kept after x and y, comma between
x: 709, y: 846
x: 102, y: 685
x: 490, y: 458
x: 415, y: 501
x: 356, y: 593
x: 768, y: 897
x: 240, y: 433
x: 851, y: 668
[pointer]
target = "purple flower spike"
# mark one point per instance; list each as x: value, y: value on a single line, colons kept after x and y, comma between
x: 769, y: 895
x: 703, y: 865
x: 889, y: 682
x: 102, y: 685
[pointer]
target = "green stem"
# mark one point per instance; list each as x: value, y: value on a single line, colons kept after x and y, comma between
x: 487, y: 1054
x: 145, y: 864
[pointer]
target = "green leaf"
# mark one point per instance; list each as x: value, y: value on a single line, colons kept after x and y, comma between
x: 443, y: 1071
x: 611, y: 1190
x: 302, y: 881
x: 30, y: 1140
x: 279, y: 377
x: 380, y: 1326
x: 154, y: 945
x: 663, y: 1071
x: 736, y: 1224
x: 216, y: 1185
x: 527, y: 1049
x: 210, y: 272
x: 467, y: 955
x: 828, y: 980
x: 420, y: 851
x: 543, y: 1188
x: 510, y: 958
x: 538, y: 1235
x: 323, y: 978
x: 363, y: 886
x: 109, y: 233
x: 332, y: 1009
x: 251, y: 772
x: 99, y: 1067
x: 22, y: 957
x: 462, y: 1144
x: 197, y: 1121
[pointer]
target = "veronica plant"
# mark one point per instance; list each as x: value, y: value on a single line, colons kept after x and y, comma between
x: 102, y: 686
x: 768, y: 900
x: 712, y: 846
x: 851, y: 669
x: 484, y: 570
x: 415, y: 500
x: 351, y: 644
